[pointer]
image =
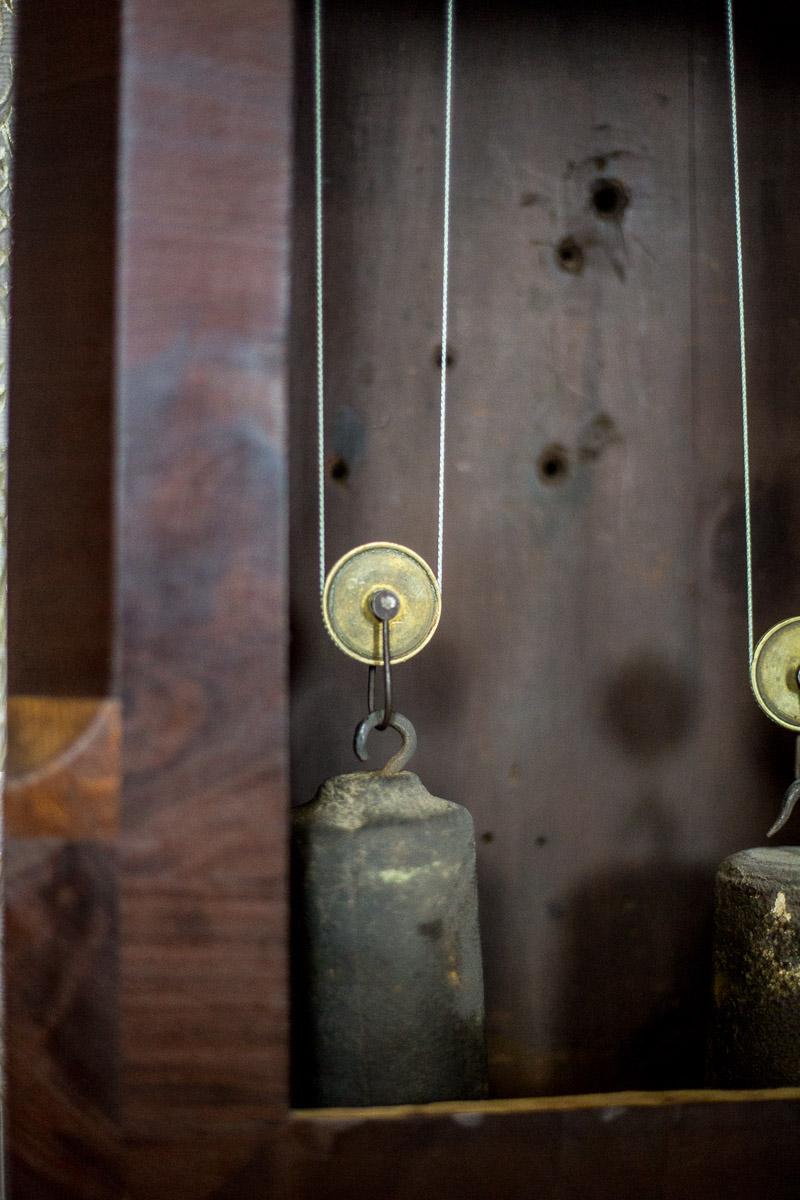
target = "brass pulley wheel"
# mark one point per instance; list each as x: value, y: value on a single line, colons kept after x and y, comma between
x: 774, y: 673
x: 353, y: 582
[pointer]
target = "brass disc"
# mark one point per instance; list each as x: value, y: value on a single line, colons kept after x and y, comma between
x: 353, y: 581
x: 774, y: 673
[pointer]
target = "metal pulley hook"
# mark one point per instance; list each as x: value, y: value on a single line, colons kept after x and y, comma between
x: 791, y: 796
x: 792, y: 793
x: 399, y: 723
x: 384, y: 606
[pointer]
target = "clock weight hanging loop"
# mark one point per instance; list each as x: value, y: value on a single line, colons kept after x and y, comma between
x: 381, y: 605
x: 385, y: 605
x: 403, y: 726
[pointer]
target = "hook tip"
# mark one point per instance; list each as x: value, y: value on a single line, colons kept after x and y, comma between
x: 789, y: 801
x: 402, y: 726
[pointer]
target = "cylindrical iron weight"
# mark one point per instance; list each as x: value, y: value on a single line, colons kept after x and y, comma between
x: 387, y: 979
x: 755, y: 1040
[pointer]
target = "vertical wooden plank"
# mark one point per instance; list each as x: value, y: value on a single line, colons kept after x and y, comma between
x: 61, y: 1064
x: 60, y: 901
x: 202, y: 635
x: 60, y: 449
x: 7, y: 57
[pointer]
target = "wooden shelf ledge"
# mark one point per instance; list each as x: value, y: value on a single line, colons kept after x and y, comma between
x: 609, y: 1100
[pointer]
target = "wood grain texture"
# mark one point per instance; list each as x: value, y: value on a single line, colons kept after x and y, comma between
x: 62, y: 767
x: 586, y: 695
x: 60, y: 970
x: 60, y: 924
x: 598, y: 850
x: 202, y: 635
x: 225, y: 1167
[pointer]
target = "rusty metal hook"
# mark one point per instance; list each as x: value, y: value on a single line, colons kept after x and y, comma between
x: 388, y: 701
x: 384, y: 606
x: 792, y: 793
x: 402, y: 725
x: 791, y: 796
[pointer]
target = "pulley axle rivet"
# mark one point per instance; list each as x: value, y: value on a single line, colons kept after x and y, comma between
x: 384, y: 604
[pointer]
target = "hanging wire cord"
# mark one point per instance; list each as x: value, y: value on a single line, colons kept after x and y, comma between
x: 737, y: 207
x: 319, y: 162
x: 319, y: 247
x: 448, y: 122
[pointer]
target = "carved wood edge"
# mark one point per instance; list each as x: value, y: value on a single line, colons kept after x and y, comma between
x: 63, y: 767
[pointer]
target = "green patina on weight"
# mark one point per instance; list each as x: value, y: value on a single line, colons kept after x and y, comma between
x: 387, y: 977
x: 756, y: 1028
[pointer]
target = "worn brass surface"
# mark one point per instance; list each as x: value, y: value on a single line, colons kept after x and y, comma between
x: 352, y: 582
x: 774, y: 673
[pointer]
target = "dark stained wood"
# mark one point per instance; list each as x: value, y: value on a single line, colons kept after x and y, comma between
x: 60, y: 925
x: 693, y: 1150
x: 60, y: 948
x: 586, y: 696
x: 59, y: 498
x: 62, y: 767
x: 225, y: 1167
x: 600, y: 731
x: 202, y: 631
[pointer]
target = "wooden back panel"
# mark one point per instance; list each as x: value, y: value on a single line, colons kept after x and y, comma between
x: 585, y: 694
x: 146, y: 972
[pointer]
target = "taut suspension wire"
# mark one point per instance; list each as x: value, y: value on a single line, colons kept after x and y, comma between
x: 318, y: 232
x: 448, y: 120
x: 319, y: 162
x: 737, y: 204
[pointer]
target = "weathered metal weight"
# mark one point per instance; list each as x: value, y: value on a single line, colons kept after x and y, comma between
x: 387, y: 984
x: 756, y: 1024
x: 387, y: 978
